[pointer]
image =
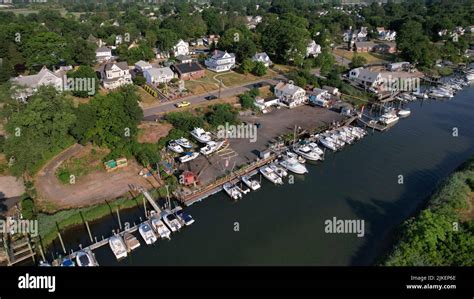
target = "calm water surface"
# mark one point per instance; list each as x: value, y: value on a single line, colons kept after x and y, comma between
x: 284, y: 225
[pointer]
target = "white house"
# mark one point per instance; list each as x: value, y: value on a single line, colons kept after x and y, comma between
x: 313, y: 49
x: 319, y: 97
x: 103, y: 54
x: 366, y: 77
x: 158, y: 75
x: 388, y: 35
x: 263, y: 104
x: 141, y: 66
x: 181, y: 48
x: 30, y: 84
x: 290, y: 94
x: 116, y: 74
x: 220, y: 61
x: 262, y: 57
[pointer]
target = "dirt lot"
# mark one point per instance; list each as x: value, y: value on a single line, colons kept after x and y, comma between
x: 151, y: 132
x: 95, y: 187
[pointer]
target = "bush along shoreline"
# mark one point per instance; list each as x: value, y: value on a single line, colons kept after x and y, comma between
x: 443, y: 232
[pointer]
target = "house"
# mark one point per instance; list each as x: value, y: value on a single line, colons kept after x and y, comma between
x: 252, y: 22
x: 181, y: 48
x: 262, y: 57
x: 158, y: 75
x: 115, y: 74
x: 366, y: 77
x: 159, y: 54
x: 30, y: 84
x: 213, y: 38
x: 220, y: 61
x: 386, y: 47
x: 264, y: 104
x: 396, y: 66
x: 189, y: 178
x: 141, y: 66
x: 183, y: 59
x: 364, y: 46
x: 319, y: 97
x: 290, y: 94
x: 188, y: 71
x: 332, y: 90
x: 361, y: 35
x: 388, y: 35
x: 103, y: 54
x: 313, y: 49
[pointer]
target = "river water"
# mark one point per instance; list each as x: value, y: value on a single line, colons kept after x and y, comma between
x: 284, y: 225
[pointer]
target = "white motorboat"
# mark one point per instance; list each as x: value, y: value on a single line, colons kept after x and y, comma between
x: 211, y: 147
x: 404, y: 113
x: 470, y: 77
x: 160, y: 228
x: 280, y: 171
x: 183, y: 216
x: 173, y: 146
x: 147, y: 233
x: 118, y: 247
x: 200, y: 135
x: 316, y: 149
x: 388, y: 119
x: 420, y: 95
x: 184, y: 142
x: 252, y: 184
x: 85, y: 258
x: 233, y: 191
x: 131, y: 242
x: 171, y: 221
x: 188, y: 157
x: 328, y: 143
x: 295, y: 156
x: 293, y: 165
x: 306, y: 152
x: 270, y: 175
x: 337, y: 142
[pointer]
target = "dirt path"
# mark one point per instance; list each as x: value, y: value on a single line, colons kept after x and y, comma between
x: 93, y: 188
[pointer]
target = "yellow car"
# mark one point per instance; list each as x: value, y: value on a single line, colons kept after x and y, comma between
x: 183, y: 104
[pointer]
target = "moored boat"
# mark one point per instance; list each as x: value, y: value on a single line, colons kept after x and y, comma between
x: 200, y: 135
x: 131, y: 241
x: 118, y: 247
x: 232, y: 190
x: 188, y: 157
x: 171, y: 221
x: 85, y: 258
x: 293, y: 165
x: 184, y: 142
x: 271, y: 175
x: 173, y: 146
x: 252, y: 184
x: 147, y: 233
x: 160, y: 228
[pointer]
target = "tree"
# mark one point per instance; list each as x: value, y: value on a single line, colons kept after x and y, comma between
x: 259, y: 69
x: 83, y: 52
x: 358, y: 61
x: 221, y: 114
x: 84, y: 76
x: 414, y: 45
x: 45, y: 48
x: 247, y: 66
x: 166, y: 39
x: 6, y: 70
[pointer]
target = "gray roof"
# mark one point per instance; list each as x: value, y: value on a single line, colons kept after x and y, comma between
x: 122, y: 65
x: 33, y: 80
x: 142, y: 63
x: 103, y: 49
x: 288, y: 88
x: 160, y: 72
x: 217, y: 54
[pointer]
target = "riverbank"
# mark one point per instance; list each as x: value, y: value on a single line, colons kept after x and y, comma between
x: 443, y: 232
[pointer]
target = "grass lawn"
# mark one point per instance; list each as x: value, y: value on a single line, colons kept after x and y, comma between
x: 230, y: 79
x: 199, y: 87
x: 370, y: 57
x: 146, y: 99
x: 90, y: 160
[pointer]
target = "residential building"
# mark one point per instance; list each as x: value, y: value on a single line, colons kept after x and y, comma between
x: 252, y: 22
x: 183, y: 59
x: 263, y: 104
x: 188, y: 71
x: 181, y: 48
x: 30, y: 84
x: 103, y: 54
x: 366, y: 77
x: 262, y: 57
x: 313, y: 49
x: 220, y: 61
x: 364, y: 46
x: 158, y: 75
x: 332, y: 90
x: 388, y: 35
x: 290, y: 94
x: 141, y: 66
x: 319, y: 97
x: 115, y: 74
x: 386, y: 47
x: 160, y: 54
x: 396, y: 66
x: 213, y: 38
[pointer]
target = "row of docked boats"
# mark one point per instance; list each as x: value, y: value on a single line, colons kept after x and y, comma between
x: 336, y: 139
x: 184, y: 146
x: 448, y: 89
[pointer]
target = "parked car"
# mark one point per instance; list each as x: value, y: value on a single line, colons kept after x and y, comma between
x: 211, y: 97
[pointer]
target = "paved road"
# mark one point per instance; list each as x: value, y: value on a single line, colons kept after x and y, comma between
x: 152, y: 112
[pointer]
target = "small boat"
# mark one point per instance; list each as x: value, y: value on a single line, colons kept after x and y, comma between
x: 160, y: 228
x: 173, y: 146
x: 233, y: 191
x: 404, y: 113
x: 131, y: 242
x: 211, y: 147
x: 68, y: 263
x: 293, y: 165
x: 388, y: 119
x: 420, y: 95
x: 316, y: 149
x: 44, y: 264
x: 280, y: 171
x: 271, y: 175
x: 328, y: 143
x: 306, y: 152
x: 183, y: 142
x: 188, y: 157
x: 297, y: 157
x: 147, y: 233
x: 183, y: 216
x: 171, y: 221
x: 200, y: 135
x: 118, y: 247
x: 85, y: 258
x: 252, y: 184
x: 470, y: 77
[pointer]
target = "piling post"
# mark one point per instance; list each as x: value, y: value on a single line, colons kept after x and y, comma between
x: 62, y: 243
x: 118, y: 217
